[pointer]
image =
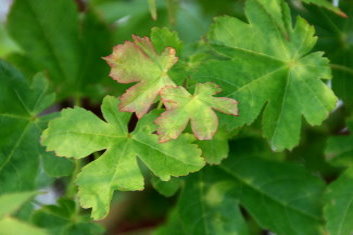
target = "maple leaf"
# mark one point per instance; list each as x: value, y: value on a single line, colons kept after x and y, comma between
x: 79, y: 133
x: 22, y: 122
x: 182, y: 106
x: 268, y: 63
x: 138, y: 61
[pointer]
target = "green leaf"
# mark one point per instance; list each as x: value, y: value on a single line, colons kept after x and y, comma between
x: 21, y: 125
x: 183, y: 107
x: 279, y: 196
x: 163, y: 37
x: 279, y: 76
x: 68, y: 49
x: 56, y: 166
x: 138, y: 61
x: 63, y: 219
x: 215, y: 150
x: 334, y: 38
x: 339, y: 149
x: 172, y: 226
x: 117, y: 168
x: 326, y: 4
x: 205, y: 208
x: 11, y: 202
x: 11, y: 226
x: 166, y: 188
x: 338, y: 209
x: 50, y: 39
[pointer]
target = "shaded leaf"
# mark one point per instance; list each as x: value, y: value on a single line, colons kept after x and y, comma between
x: 50, y: 39
x: 339, y: 149
x: 166, y: 188
x: 20, y: 151
x: 63, y: 219
x: 334, y: 38
x: 278, y: 195
x: 338, y: 208
x: 326, y: 4
x: 215, y: 150
x: 68, y: 49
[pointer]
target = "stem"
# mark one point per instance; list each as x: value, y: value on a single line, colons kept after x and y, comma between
x: 159, y: 106
x: 342, y: 68
x: 71, y: 187
x: 77, y: 100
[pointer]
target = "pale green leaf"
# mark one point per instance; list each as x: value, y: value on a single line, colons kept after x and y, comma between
x: 183, y: 107
x: 153, y: 8
x: 117, y: 168
x: 12, y: 226
x: 11, y: 202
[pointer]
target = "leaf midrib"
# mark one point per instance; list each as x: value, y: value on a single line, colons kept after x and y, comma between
x: 258, y: 190
x: 166, y: 154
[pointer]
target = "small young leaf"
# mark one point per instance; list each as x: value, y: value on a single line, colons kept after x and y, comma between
x: 63, y: 219
x: 78, y: 133
x: 163, y: 37
x: 138, y: 61
x: 183, y: 107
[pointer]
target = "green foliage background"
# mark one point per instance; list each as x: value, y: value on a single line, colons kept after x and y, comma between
x: 284, y: 165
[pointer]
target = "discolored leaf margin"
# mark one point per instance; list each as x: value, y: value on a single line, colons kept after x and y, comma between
x: 78, y: 133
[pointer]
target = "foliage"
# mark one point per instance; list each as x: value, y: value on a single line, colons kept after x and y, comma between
x: 232, y: 117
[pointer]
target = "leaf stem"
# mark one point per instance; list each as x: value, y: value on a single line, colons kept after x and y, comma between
x: 71, y: 187
x: 159, y: 106
x: 342, y: 68
x: 77, y: 100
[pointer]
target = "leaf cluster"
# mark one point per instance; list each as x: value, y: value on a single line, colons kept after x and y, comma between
x: 238, y: 112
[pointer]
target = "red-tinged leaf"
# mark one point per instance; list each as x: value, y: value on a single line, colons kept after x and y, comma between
x: 183, y: 107
x: 138, y: 61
